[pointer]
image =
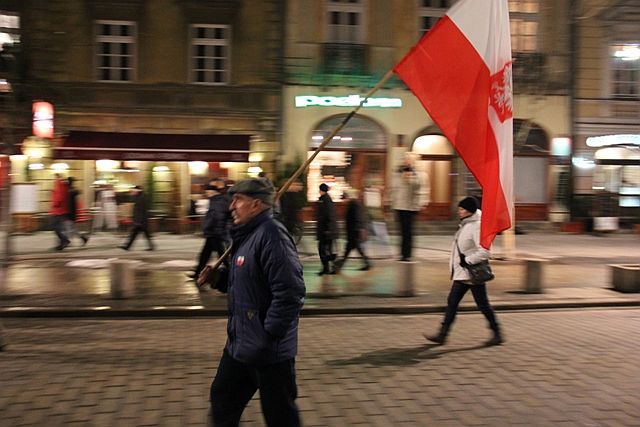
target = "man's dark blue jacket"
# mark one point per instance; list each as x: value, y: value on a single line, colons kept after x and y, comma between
x: 216, y: 220
x: 265, y: 292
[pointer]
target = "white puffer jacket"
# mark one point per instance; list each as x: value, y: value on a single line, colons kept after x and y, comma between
x: 468, y: 239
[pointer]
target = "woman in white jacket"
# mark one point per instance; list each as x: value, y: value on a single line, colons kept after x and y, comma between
x: 467, y: 241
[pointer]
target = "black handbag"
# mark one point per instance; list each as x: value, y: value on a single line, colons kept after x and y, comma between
x: 480, y: 272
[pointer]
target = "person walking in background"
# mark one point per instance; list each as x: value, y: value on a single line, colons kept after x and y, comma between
x: 406, y: 203
x: 140, y: 218
x: 107, y: 214
x: 291, y: 203
x: 356, y: 231
x: 375, y: 212
x: 59, y: 210
x: 72, y: 216
x: 215, y: 225
x: 266, y: 292
x: 466, y: 242
x: 327, y: 230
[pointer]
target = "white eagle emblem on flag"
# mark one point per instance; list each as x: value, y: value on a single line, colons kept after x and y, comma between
x: 501, y: 93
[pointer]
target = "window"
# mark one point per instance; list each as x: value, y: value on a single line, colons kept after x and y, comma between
x: 210, y: 54
x: 625, y: 70
x: 523, y: 16
x: 115, y: 51
x: 345, y: 18
x: 429, y: 11
x: 9, y: 28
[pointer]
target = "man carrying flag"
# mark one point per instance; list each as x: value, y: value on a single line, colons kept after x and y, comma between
x: 461, y: 73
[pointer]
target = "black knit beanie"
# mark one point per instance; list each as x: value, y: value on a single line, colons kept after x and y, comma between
x: 469, y: 204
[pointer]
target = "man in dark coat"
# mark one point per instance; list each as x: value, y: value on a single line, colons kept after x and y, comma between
x: 72, y: 215
x: 266, y: 292
x: 356, y: 231
x: 140, y: 218
x: 327, y: 229
x: 215, y: 224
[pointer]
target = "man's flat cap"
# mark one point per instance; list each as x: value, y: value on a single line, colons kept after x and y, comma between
x: 256, y: 188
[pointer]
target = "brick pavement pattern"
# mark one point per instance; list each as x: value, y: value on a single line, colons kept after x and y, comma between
x: 573, y: 368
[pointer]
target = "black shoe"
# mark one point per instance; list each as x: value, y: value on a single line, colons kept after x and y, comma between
x: 438, y: 339
x: 126, y: 248
x: 193, y: 275
x: 365, y: 268
x: 61, y: 246
x: 495, y: 340
x: 85, y: 239
x: 405, y: 259
x: 151, y: 249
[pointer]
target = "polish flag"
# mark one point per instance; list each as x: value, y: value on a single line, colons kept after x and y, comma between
x: 461, y: 73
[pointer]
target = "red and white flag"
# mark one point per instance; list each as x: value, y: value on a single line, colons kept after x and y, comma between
x: 461, y: 73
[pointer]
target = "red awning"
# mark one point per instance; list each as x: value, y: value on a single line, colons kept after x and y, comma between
x: 86, y: 145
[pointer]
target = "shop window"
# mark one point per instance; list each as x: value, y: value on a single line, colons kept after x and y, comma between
x: 210, y: 54
x: 115, y: 51
x: 359, y: 133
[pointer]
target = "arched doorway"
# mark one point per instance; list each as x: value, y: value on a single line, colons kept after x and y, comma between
x: 435, y: 162
x: 355, y: 157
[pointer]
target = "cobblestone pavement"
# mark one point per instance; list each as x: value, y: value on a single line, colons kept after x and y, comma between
x: 557, y: 368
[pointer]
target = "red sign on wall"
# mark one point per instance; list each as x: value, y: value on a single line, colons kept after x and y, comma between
x: 42, y: 119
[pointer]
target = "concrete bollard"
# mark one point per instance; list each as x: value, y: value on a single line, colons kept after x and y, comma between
x: 404, y: 282
x: 122, y: 273
x: 533, y: 275
x: 625, y: 277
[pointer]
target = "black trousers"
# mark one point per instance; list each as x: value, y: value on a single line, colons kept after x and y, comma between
x: 235, y: 384
x: 57, y: 223
x: 134, y: 233
x: 325, y: 250
x: 406, y: 220
x: 479, y: 292
x: 210, y: 244
x: 357, y: 245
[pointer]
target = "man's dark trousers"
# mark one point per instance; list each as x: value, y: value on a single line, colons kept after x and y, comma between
x: 57, y: 223
x: 325, y: 250
x: 210, y: 244
x: 236, y: 383
x: 406, y: 219
x: 134, y: 233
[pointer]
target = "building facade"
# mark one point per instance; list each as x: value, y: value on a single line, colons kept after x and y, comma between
x: 337, y: 50
x: 606, y: 158
x: 162, y: 93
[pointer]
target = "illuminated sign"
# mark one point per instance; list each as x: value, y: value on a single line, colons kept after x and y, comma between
x: 346, y: 101
x: 42, y: 119
x: 608, y: 140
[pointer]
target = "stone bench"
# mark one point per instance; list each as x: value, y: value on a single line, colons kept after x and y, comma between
x: 625, y: 277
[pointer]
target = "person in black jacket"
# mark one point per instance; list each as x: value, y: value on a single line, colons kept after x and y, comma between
x: 356, y: 231
x: 140, y: 218
x: 327, y: 230
x: 72, y: 215
x: 266, y: 292
x: 215, y: 224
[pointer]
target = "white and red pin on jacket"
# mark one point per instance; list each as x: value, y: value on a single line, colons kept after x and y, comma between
x: 240, y: 261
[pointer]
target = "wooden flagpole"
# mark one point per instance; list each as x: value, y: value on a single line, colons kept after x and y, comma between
x: 202, y: 278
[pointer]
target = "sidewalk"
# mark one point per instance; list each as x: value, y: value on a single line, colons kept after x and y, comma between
x: 75, y: 282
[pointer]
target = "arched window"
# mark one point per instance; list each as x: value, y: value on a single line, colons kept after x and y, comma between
x: 360, y: 133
